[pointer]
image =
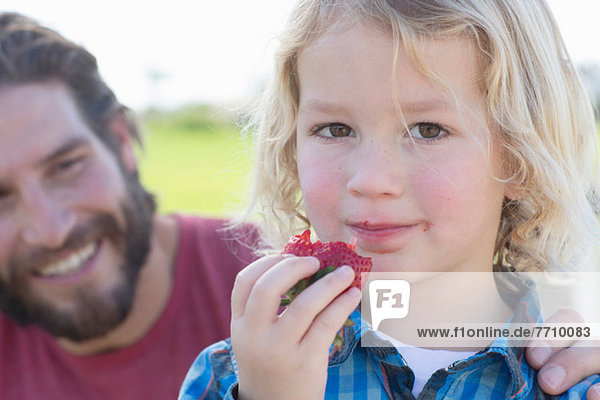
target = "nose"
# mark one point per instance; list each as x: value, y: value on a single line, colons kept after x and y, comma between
x: 377, y: 171
x: 47, y: 220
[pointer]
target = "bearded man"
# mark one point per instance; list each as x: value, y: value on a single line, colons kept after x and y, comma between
x: 100, y: 297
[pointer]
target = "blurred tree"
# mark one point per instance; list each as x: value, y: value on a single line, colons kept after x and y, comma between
x: 156, y: 77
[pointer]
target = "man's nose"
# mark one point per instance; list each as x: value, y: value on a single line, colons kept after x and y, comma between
x: 47, y: 221
x: 377, y: 172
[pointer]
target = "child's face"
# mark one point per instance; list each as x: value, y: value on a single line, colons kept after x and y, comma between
x: 427, y: 204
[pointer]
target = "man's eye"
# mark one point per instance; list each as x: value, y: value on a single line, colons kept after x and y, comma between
x: 334, y: 130
x: 68, y: 165
x: 427, y: 131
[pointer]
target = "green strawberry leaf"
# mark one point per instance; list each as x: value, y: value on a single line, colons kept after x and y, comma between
x: 320, y: 273
x: 303, y: 284
x: 285, y: 301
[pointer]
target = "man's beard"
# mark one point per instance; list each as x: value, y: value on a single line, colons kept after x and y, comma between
x: 93, y: 314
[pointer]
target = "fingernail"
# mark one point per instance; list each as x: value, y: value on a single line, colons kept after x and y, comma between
x: 596, y: 390
x: 314, y: 260
x: 540, y: 354
x: 553, y: 376
x: 355, y: 292
x: 345, y: 271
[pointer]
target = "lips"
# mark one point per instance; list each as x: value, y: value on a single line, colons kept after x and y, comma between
x: 385, y: 237
x: 380, y: 228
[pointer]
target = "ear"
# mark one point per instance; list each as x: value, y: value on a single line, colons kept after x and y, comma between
x: 118, y: 127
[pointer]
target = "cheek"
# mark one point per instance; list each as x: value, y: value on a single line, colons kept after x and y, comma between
x: 99, y: 187
x: 463, y: 195
x: 321, y: 182
x: 449, y: 184
x: 437, y: 196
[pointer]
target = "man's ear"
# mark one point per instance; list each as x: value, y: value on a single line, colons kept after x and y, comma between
x: 119, y: 128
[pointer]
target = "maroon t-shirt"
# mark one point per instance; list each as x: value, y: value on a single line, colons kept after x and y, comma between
x: 33, y: 366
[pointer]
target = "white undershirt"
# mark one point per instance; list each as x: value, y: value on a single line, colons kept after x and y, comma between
x: 424, y: 362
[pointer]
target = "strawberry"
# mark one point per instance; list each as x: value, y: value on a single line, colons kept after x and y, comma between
x: 331, y: 255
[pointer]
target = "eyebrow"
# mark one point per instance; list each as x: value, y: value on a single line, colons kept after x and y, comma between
x: 423, y: 105
x: 324, y: 107
x: 419, y: 106
x: 65, y: 148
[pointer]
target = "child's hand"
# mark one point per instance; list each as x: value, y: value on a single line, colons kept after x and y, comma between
x: 286, y: 356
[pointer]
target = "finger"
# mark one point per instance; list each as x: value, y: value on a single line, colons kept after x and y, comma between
x: 245, y: 280
x: 566, y: 368
x: 265, y: 297
x: 324, y: 328
x: 594, y: 392
x: 539, y: 352
x: 301, y: 313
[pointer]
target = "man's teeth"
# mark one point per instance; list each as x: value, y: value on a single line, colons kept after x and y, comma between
x: 69, y: 264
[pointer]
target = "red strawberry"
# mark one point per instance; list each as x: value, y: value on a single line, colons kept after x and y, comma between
x: 331, y: 255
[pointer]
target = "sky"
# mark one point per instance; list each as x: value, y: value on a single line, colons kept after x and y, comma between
x: 165, y: 54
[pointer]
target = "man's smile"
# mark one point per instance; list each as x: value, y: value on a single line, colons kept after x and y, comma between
x: 70, y: 264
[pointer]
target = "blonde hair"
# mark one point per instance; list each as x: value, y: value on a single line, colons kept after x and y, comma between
x: 534, y: 99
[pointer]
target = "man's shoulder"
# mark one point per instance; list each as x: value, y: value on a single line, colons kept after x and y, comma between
x: 211, y: 228
x: 206, y: 239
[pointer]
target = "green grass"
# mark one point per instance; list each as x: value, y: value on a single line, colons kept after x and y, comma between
x: 194, y: 164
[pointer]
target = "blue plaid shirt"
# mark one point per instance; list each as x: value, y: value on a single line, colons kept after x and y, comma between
x: 379, y: 372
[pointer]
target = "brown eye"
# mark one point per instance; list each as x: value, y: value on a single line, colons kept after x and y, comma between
x: 339, y: 130
x: 334, y: 130
x: 427, y: 131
